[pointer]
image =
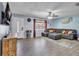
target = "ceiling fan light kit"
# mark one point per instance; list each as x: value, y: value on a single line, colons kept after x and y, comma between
x: 50, y: 17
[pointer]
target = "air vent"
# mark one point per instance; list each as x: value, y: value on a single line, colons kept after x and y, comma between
x: 77, y: 4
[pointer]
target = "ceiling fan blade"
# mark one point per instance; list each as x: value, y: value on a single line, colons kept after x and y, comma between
x: 56, y: 11
x: 40, y: 13
x: 54, y: 15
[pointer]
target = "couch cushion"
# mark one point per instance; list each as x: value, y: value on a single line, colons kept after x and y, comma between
x: 52, y: 30
x: 70, y: 32
x: 65, y: 32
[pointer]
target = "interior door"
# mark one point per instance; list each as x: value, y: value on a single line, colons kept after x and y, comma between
x: 18, y: 27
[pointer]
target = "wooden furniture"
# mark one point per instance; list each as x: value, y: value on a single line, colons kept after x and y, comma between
x: 9, y: 47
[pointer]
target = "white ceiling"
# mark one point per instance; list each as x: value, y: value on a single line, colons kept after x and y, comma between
x: 41, y: 9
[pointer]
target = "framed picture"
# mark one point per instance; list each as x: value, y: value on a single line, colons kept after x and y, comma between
x: 66, y: 20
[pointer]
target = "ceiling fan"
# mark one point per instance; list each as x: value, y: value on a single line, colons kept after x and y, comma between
x: 48, y: 14
x: 52, y: 15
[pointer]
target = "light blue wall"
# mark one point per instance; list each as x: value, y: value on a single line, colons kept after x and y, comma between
x: 74, y: 24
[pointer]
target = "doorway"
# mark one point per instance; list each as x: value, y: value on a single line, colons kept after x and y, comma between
x: 39, y: 27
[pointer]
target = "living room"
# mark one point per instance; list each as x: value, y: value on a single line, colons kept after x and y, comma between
x: 37, y: 27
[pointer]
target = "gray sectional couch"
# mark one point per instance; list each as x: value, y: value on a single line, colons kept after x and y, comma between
x: 58, y: 34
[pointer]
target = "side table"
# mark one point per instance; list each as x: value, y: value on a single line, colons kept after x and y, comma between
x: 9, y: 47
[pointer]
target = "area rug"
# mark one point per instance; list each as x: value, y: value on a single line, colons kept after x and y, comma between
x: 65, y: 43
